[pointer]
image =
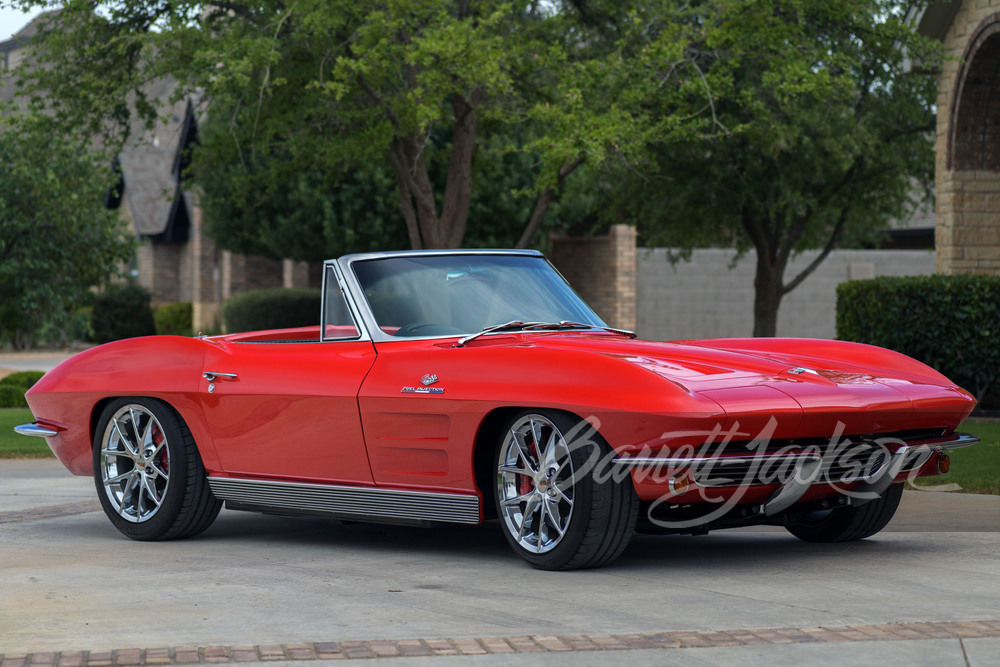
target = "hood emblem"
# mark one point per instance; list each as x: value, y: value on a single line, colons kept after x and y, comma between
x: 428, y: 379
x: 798, y: 370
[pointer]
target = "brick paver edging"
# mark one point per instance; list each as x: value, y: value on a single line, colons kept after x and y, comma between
x: 185, y: 655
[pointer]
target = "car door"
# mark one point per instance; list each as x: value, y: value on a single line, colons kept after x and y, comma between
x: 286, y: 408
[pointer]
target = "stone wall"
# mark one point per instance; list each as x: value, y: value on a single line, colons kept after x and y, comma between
x: 602, y: 269
x: 968, y: 142
x: 703, y: 298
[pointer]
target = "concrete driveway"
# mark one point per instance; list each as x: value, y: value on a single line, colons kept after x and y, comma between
x: 259, y: 588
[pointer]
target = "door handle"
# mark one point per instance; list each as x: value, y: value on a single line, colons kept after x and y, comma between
x: 212, y: 376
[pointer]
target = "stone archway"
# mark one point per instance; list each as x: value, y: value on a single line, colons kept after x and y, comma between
x: 968, y: 228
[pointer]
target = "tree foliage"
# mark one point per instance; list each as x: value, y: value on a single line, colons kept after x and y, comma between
x: 56, y: 238
x: 260, y: 204
x: 327, y: 87
x: 777, y: 125
x: 815, y: 135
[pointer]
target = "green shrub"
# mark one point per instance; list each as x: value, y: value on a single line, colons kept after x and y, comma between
x: 174, y: 319
x: 23, y: 380
x: 951, y: 323
x: 13, y: 386
x: 271, y: 309
x: 12, y: 396
x: 122, y: 311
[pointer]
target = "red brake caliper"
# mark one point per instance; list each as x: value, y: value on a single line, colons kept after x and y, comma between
x: 158, y: 439
x: 527, y: 483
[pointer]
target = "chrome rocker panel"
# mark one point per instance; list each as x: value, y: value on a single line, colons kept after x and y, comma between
x: 347, y: 502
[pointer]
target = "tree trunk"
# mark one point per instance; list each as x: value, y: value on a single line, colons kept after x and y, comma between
x: 543, y: 202
x: 427, y: 227
x: 768, y: 290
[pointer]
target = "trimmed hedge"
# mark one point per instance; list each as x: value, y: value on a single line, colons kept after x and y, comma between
x: 122, y: 311
x: 276, y: 308
x: 23, y: 379
x: 174, y: 319
x: 951, y: 323
x: 13, y: 386
x: 12, y: 397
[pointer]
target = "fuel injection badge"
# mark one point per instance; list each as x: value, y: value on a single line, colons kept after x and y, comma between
x: 427, y: 380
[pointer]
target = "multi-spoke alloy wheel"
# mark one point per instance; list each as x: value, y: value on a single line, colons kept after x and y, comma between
x: 535, y: 484
x: 135, y: 463
x: 149, y: 476
x: 557, y: 508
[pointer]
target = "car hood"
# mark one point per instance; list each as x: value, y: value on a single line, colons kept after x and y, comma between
x: 822, y: 382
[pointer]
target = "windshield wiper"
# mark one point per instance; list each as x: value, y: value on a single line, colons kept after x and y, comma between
x: 513, y: 324
x: 518, y: 324
x: 565, y: 324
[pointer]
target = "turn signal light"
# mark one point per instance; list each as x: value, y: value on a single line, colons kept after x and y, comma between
x: 678, y: 484
x: 944, y: 463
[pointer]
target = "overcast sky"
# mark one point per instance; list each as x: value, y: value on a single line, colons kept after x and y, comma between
x: 12, y: 20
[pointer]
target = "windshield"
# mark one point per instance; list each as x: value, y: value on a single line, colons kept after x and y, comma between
x: 443, y: 295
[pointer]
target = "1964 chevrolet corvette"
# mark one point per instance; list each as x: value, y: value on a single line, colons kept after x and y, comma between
x: 459, y: 386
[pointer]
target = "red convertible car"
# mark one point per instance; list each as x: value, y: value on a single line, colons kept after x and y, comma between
x: 463, y: 386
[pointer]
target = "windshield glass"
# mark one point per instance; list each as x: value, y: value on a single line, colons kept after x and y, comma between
x: 446, y: 295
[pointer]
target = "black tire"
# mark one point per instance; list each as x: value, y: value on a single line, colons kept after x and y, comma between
x: 846, y: 524
x: 149, y: 476
x: 559, y: 508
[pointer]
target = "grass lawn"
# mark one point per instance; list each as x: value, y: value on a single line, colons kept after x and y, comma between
x: 976, y: 469
x: 14, y: 446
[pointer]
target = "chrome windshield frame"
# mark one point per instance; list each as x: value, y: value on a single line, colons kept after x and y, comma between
x: 349, y: 282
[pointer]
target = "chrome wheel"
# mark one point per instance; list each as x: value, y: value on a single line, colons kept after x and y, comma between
x: 556, y: 511
x: 535, y: 484
x: 134, y: 463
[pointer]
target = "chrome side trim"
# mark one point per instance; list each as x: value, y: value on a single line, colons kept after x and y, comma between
x: 349, y: 501
x: 36, y: 430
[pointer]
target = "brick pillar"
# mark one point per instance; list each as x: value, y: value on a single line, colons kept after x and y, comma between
x: 206, y: 293
x: 602, y: 269
x: 294, y: 274
x: 968, y: 223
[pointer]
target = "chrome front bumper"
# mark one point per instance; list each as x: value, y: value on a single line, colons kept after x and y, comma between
x: 36, y: 430
x: 805, y: 468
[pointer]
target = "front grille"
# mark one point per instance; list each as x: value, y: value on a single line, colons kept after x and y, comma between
x: 850, y: 460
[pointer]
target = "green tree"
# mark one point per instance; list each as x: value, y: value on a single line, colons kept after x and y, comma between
x: 262, y: 203
x: 815, y: 135
x: 333, y: 85
x: 57, y: 240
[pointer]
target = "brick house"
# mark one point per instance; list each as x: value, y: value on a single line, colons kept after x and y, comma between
x: 968, y: 134
x: 176, y: 260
